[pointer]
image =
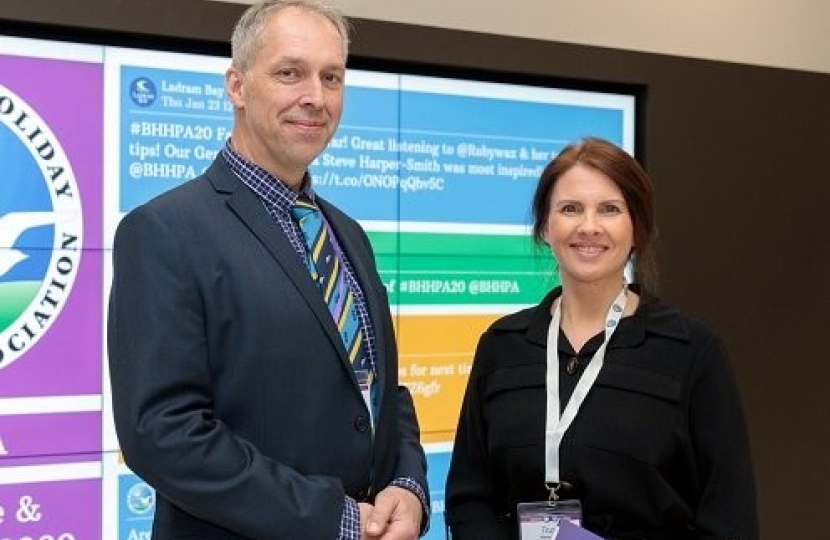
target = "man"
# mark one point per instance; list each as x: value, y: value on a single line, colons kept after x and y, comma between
x: 232, y: 392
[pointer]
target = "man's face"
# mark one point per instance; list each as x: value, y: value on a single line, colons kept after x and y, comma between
x: 290, y: 99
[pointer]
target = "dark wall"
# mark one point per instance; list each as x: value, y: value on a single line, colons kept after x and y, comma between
x: 738, y: 153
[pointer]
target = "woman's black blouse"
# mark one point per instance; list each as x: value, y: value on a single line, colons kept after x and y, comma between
x: 658, y: 450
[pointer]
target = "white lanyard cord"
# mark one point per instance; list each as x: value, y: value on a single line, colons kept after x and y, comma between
x: 556, y: 425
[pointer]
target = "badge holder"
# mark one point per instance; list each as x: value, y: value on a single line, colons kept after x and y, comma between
x: 540, y: 520
x: 364, y: 381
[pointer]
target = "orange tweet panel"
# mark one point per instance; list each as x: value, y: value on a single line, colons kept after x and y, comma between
x: 436, y: 353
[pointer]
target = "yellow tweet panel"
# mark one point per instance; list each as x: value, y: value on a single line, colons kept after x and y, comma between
x: 436, y: 353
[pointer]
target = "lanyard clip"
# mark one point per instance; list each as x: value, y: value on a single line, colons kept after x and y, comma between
x: 554, y: 489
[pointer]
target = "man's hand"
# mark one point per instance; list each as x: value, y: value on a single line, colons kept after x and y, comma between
x: 396, y: 515
x: 365, y: 511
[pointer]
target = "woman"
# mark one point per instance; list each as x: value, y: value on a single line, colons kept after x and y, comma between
x: 639, y: 420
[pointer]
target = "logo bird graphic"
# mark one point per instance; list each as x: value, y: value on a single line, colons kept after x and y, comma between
x: 12, y: 225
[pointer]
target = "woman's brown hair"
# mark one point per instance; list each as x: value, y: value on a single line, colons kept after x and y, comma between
x: 636, y: 187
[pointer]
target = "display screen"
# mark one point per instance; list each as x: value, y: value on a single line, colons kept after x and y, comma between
x: 439, y: 170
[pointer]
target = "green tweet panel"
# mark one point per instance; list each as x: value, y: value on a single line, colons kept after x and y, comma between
x: 445, y: 269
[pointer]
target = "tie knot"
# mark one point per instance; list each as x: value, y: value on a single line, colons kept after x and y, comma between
x: 302, y: 207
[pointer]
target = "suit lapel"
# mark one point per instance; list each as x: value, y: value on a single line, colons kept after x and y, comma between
x: 249, y: 209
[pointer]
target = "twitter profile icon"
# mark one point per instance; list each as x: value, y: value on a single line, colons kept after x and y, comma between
x: 143, y: 92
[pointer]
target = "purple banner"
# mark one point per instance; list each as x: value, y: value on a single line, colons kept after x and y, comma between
x: 58, y: 435
x: 50, y: 207
x: 58, y: 509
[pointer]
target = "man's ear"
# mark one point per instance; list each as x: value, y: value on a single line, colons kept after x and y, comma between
x: 234, y: 79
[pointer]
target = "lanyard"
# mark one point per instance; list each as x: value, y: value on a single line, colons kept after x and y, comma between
x: 555, y: 424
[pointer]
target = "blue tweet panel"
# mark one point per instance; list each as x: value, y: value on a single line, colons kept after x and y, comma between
x: 433, y: 150
x: 409, y: 149
x: 358, y: 169
x: 438, y: 464
x: 173, y: 124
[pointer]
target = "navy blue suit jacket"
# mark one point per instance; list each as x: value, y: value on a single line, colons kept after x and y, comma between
x: 232, y: 393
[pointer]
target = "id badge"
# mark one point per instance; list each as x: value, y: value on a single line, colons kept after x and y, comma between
x: 364, y: 381
x: 540, y: 520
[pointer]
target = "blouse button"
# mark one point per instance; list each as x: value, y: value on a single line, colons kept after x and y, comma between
x: 572, y: 365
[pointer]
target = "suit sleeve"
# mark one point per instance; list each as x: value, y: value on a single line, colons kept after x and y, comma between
x: 411, y: 458
x: 162, y: 389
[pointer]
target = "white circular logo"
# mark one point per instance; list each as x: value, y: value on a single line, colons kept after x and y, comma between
x: 141, y: 498
x: 41, y: 227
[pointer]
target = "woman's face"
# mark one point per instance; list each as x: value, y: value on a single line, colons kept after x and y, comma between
x: 589, y: 228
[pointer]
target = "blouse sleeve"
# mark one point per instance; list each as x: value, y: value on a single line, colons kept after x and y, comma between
x: 470, y: 507
x: 727, y: 503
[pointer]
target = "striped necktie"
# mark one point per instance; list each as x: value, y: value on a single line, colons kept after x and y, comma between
x: 326, y: 267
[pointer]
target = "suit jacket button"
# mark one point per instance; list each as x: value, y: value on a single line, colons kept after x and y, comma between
x: 361, y: 424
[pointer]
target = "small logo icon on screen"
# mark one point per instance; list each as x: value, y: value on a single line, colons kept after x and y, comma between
x: 143, y: 92
x: 141, y: 498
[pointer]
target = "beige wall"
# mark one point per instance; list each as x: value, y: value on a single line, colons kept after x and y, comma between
x: 775, y: 33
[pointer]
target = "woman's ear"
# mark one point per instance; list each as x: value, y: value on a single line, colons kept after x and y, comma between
x: 544, y: 234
